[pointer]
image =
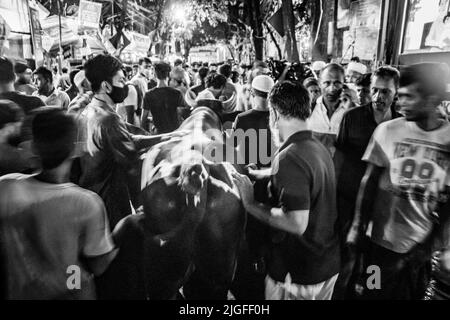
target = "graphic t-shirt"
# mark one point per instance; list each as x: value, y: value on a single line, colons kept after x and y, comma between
x: 416, y: 175
x: 45, y: 229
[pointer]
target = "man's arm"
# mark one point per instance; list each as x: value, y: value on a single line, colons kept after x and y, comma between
x: 341, y: 142
x: 364, y: 203
x: 145, y: 113
x: 97, y: 246
x: 294, y: 222
x: 98, y: 265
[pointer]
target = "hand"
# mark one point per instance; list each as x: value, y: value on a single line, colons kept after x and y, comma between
x: 245, y: 187
x: 445, y: 260
x: 353, y: 238
x: 249, y: 169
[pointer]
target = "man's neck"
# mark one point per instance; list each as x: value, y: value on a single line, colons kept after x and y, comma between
x: 260, y: 106
x: 8, y: 87
x: 431, y: 123
x: 47, y: 91
x: 331, y: 106
x: 291, y: 127
x: 103, y: 100
x: 161, y: 83
x: 382, y: 116
x: 57, y: 175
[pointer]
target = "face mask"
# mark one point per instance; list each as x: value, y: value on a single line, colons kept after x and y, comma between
x: 118, y: 94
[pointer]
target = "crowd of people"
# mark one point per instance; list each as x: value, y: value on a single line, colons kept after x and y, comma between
x: 358, y: 172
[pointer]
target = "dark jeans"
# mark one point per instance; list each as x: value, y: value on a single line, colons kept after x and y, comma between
x: 402, y: 278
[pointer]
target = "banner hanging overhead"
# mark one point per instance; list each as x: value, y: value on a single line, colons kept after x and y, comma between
x: 89, y: 14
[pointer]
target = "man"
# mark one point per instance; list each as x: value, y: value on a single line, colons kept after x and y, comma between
x: 356, y: 129
x: 317, y: 67
x: 215, y: 84
x: 355, y: 71
x: 47, y: 92
x: 304, y: 258
x: 64, y: 80
x: 26, y: 103
x: 312, y: 85
x: 142, y: 78
x: 8, y: 92
x: 192, y: 93
x: 135, y: 70
x: 178, y: 80
x: 110, y: 156
x: 72, y: 91
x: 362, y: 86
x: 328, y: 113
x: 84, y: 96
x: 162, y: 102
x: 257, y: 120
x: 404, y: 193
x: 23, y: 74
x: 50, y: 227
x: 12, y: 158
x: 259, y: 149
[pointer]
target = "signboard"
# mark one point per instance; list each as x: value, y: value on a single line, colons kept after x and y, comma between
x: 140, y: 41
x: 89, y: 14
x: 15, y: 12
x: 364, y: 21
x: 36, y: 28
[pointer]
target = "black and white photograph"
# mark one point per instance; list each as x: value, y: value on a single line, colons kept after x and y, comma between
x: 225, y: 154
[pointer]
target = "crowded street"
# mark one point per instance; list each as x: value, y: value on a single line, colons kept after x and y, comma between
x: 225, y: 150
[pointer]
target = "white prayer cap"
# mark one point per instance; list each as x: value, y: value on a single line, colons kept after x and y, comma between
x: 357, y: 67
x: 79, y: 78
x: 318, y: 65
x: 263, y: 83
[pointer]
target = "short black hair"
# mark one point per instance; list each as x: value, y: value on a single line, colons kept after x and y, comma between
x: 162, y: 70
x: 215, y: 80
x: 20, y: 67
x: 178, y: 62
x: 203, y: 72
x: 145, y: 60
x: 101, y: 68
x: 46, y: 73
x: 291, y: 100
x: 54, y: 136
x: 10, y: 113
x: 234, y: 76
x: 388, y: 72
x: 431, y: 78
x: 225, y: 70
x: 334, y: 67
x: 6, y: 71
x: 72, y: 75
x: 365, y: 80
x: 355, y: 59
x: 64, y: 70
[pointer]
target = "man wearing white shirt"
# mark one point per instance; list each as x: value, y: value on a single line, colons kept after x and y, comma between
x: 47, y: 92
x: 328, y: 113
